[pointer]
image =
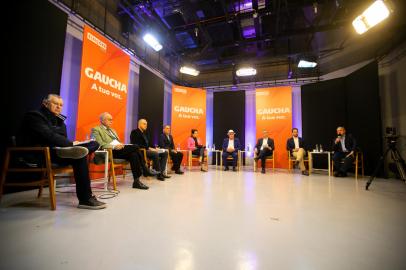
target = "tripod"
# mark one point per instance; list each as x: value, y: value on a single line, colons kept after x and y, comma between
x: 397, y: 158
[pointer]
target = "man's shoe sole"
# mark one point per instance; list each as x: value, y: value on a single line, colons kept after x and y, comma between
x: 82, y: 206
x: 74, y: 152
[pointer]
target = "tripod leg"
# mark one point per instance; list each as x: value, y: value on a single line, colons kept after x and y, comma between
x: 373, y: 175
x: 399, y: 163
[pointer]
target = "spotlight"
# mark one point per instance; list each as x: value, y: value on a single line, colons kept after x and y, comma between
x: 246, y: 72
x: 152, y: 41
x: 373, y: 15
x: 306, y: 64
x: 189, y: 71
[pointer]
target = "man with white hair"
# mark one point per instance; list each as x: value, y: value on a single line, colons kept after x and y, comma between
x: 231, y: 145
x: 107, y: 137
x: 46, y: 127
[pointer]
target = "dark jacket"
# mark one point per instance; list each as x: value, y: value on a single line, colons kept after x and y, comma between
x: 270, y: 144
x: 350, y: 144
x: 290, y: 144
x: 237, y: 145
x: 139, y: 138
x: 43, y: 128
x: 166, y: 143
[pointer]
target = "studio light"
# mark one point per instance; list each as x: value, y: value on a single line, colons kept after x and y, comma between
x: 306, y: 64
x: 152, y: 41
x: 373, y: 15
x: 246, y: 72
x: 189, y: 71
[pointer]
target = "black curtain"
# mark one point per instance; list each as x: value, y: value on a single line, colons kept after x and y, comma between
x: 151, y: 103
x: 352, y: 102
x: 228, y: 113
x: 35, y: 45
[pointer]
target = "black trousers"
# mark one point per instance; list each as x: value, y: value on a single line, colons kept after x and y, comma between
x: 227, y: 154
x: 176, y: 159
x: 80, y: 171
x: 132, y: 154
x: 158, y: 159
x: 342, y: 167
x: 263, y: 154
x: 199, y: 151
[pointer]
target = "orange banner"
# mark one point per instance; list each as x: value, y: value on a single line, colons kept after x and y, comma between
x: 274, y: 113
x: 188, y: 112
x: 103, y: 83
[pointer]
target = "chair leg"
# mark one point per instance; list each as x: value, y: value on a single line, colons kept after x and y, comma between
x: 4, y: 173
x: 113, y: 174
x: 273, y: 164
x: 52, y: 191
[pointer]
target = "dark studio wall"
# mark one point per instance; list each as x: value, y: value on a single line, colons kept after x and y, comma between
x: 35, y: 46
x: 151, y: 103
x: 353, y: 102
x: 228, y: 113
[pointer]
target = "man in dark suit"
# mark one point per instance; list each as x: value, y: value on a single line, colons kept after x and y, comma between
x: 344, y: 147
x: 157, y: 156
x: 166, y: 142
x: 264, y: 148
x: 46, y: 127
x: 231, y: 145
x: 295, y: 145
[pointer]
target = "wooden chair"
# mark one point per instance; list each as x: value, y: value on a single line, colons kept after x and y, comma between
x: 230, y: 158
x: 292, y: 160
x: 268, y: 158
x: 358, y: 164
x: 47, y: 172
x: 191, y: 158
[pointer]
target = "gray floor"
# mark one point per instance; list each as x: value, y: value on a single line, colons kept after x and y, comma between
x: 215, y: 220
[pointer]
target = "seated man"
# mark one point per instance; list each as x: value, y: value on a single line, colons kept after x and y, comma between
x: 295, y: 146
x: 264, y: 148
x: 344, y: 147
x: 46, y: 127
x: 108, y: 138
x: 166, y: 142
x: 231, y: 146
x: 158, y: 158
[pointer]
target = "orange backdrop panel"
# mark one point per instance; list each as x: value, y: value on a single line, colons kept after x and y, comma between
x: 188, y: 111
x: 103, y: 83
x: 274, y: 113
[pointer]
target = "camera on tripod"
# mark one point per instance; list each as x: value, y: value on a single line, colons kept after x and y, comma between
x: 391, y: 136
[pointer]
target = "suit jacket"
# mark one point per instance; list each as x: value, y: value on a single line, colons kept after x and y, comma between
x: 259, y: 144
x: 166, y: 143
x: 139, y: 138
x: 103, y: 137
x: 237, y: 145
x: 191, y: 143
x: 290, y: 144
x: 350, y: 144
x: 43, y: 128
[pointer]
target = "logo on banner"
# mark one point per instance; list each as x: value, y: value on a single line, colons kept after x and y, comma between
x: 180, y: 90
x: 273, y: 113
x: 97, y: 41
x: 106, y: 80
x: 188, y: 112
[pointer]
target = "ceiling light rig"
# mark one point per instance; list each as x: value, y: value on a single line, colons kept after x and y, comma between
x: 374, y: 14
x: 247, y: 71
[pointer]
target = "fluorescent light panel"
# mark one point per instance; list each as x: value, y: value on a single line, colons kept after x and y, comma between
x: 189, y: 71
x: 306, y: 64
x: 151, y: 41
x: 246, y: 72
x: 373, y: 15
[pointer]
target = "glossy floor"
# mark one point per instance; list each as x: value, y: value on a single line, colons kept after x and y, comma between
x: 215, y: 220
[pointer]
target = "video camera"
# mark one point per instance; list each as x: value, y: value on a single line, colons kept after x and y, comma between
x: 391, y: 137
x: 390, y: 132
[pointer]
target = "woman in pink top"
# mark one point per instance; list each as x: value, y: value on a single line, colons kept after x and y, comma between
x: 194, y: 144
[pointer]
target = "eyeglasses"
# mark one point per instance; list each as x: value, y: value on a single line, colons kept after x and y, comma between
x: 57, y: 103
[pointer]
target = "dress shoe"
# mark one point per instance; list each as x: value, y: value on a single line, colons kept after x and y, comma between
x: 150, y: 173
x: 225, y: 168
x: 74, y: 152
x: 263, y: 170
x: 305, y: 173
x: 179, y: 172
x: 337, y: 174
x: 138, y: 184
x: 203, y: 170
x: 166, y: 176
x: 160, y: 177
x: 92, y: 203
x: 234, y: 169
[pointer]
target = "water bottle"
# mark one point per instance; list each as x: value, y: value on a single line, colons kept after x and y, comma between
x: 317, y: 148
x: 214, y: 147
x: 178, y: 147
x: 321, y: 148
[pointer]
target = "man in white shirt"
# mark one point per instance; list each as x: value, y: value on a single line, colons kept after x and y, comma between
x: 231, y: 145
x: 264, y: 148
x: 295, y: 145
